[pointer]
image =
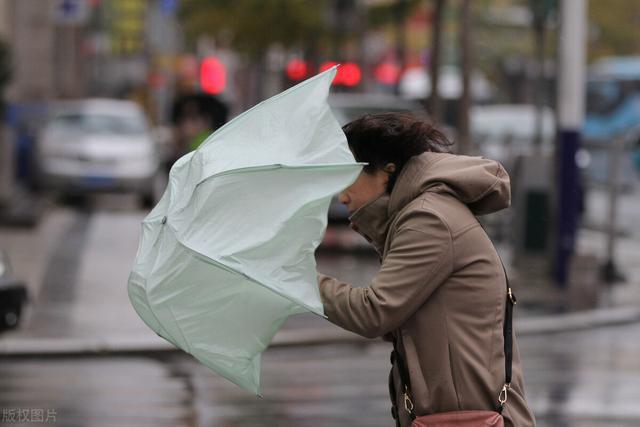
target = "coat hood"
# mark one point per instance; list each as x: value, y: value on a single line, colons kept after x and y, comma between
x: 482, y: 184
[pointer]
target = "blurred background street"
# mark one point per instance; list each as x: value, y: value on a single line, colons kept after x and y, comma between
x: 100, y: 97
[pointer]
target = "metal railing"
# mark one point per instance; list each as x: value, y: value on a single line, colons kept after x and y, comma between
x: 612, y: 169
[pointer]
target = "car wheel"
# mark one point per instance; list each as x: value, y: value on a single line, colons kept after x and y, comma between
x: 152, y: 195
x: 11, y: 319
x: 159, y: 184
x: 74, y: 200
x: 147, y: 201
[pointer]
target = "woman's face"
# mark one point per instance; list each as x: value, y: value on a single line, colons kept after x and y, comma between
x: 367, y: 187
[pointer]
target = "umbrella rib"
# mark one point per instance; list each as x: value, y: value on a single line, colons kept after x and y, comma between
x: 155, y: 317
x: 179, y: 329
x: 261, y: 168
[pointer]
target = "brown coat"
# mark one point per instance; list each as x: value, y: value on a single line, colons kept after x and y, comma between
x: 441, y: 284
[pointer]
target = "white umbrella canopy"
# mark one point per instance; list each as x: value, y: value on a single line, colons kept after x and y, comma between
x: 229, y: 251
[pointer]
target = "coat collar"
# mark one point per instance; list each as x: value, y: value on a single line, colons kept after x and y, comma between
x: 372, y: 221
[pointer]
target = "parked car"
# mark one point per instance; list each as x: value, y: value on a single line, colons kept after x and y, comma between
x: 613, y: 97
x: 415, y: 83
x: 613, y: 110
x: 98, y: 145
x: 503, y: 132
x: 13, y: 296
x: 347, y: 107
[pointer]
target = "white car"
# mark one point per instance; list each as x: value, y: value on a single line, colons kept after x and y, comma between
x: 415, y: 83
x: 350, y: 106
x: 504, y: 132
x: 98, y: 145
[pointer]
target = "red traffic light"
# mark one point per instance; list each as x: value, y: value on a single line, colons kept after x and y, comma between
x: 349, y: 73
x: 213, y: 75
x: 297, y: 70
x: 387, y: 73
x: 326, y: 65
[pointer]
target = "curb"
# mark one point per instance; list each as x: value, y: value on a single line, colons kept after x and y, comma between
x: 578, y: 321
x: 23, y: 210
x: 150, y: 344
x: 97, y: 346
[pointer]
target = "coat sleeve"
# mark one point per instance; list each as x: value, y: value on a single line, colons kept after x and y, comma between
x: 418, y: 260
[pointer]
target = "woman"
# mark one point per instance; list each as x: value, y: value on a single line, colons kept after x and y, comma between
x: 440, y: 293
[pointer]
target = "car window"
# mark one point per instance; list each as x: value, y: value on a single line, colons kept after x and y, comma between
x: 520, y: 125
x: 97, y: 124
x: 603, y: 96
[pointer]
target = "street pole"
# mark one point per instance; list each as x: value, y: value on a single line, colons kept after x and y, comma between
x: 6, y: 146
x: 400, y: 9
x: 464, y: 30
x: 570, y: 102
x: 434, y: 102
x: 610, y: 272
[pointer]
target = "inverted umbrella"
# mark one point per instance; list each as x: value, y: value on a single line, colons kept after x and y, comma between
x: 228, y: 253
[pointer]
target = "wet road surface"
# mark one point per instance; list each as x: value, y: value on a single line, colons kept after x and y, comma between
x: 583, y: 379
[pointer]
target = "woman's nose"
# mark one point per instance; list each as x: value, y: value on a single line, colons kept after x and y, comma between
x: 343, y: 197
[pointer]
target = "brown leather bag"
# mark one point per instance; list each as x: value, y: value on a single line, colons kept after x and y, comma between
x: 460, y: 419
x: 475, y: 418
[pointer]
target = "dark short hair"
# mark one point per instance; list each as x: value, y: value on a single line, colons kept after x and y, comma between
x: 384, y: 138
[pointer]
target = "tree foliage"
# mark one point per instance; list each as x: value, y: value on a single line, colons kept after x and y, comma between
x: 252, y: 26
x: 614, y: 28
x: 385, y: 13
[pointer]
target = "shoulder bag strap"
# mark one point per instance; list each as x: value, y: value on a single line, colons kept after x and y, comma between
x: 404, y: 375
x: 507, y: 331
x: 508, y: 341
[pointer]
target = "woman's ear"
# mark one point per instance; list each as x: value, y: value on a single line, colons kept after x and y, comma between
x: 389, y: 168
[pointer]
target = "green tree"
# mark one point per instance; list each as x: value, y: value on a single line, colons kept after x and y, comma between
x: 614, y: 28
x: 252, y: 26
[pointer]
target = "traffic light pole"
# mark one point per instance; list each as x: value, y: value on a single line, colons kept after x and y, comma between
x: 570, y: 110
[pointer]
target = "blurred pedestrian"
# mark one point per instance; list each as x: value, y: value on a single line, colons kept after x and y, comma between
x: 441, y: 293
x: 196, y: 116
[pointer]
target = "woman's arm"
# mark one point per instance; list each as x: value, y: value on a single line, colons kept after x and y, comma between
x: 419, y: 259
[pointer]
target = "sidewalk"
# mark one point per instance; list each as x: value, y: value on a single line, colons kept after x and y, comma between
x: 23, y: 209
x: 586, y: 289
